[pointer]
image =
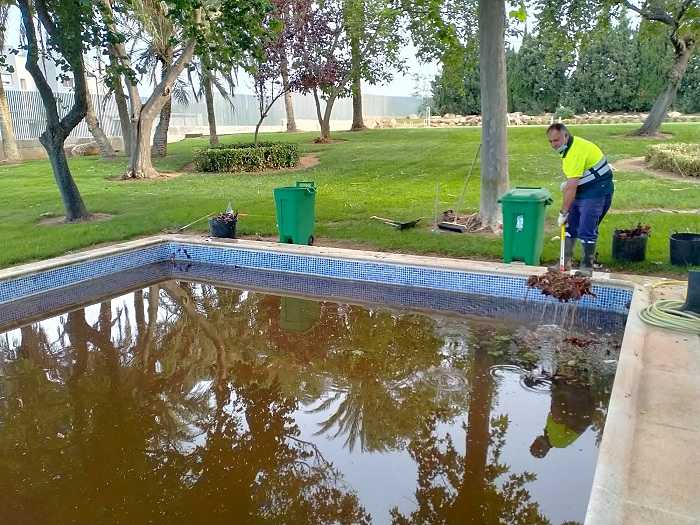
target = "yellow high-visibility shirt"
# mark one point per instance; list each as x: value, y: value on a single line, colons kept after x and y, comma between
x: 578, y: 159
x: 581, y: 156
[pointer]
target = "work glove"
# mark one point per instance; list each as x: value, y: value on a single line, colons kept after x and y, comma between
x: 562, y: 219
x: 563, y: 185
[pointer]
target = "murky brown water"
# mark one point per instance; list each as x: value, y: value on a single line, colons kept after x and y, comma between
x: 190, y: 403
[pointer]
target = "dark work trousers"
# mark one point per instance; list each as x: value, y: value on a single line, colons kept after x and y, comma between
x: 584, y: 217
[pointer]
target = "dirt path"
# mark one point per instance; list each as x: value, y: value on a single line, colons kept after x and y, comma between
x: 639, y: 165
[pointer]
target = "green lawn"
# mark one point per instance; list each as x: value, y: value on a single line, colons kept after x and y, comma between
x: 392, y: 173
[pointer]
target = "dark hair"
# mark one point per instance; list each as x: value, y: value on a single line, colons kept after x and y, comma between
x: 559, y: 127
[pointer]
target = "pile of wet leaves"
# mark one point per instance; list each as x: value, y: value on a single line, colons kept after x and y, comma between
x: 639, y: 231
x: 561, y: 285
x: 472, y: 221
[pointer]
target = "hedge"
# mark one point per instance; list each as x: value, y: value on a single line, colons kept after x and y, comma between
x: 246, y: 157
x: 683, y: 159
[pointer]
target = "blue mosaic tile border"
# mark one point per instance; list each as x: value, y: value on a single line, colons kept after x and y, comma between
x: 610, y: 299
x: 47, y: 280
x: 336, y: 290
x: 20, y: 311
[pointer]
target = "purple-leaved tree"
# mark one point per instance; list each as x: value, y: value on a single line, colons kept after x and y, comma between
x: 273, y: 76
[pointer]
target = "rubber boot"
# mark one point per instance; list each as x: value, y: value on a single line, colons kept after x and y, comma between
x: 586, y: 268
x: 569, y: 245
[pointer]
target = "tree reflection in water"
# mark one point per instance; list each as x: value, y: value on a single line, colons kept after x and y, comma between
x: 177, y: 403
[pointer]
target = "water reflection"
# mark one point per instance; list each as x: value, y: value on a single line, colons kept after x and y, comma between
x: 570, y: 414
x: 186, y: 402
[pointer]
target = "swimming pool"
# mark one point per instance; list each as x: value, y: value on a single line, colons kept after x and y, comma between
x: 460, y: 387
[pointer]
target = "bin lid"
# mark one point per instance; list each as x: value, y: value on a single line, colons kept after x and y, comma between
x: 525, y: 194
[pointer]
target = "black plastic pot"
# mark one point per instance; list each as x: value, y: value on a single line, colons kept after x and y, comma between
x: 685, y: 249
x: 630, y: 248
x: 222, y: 229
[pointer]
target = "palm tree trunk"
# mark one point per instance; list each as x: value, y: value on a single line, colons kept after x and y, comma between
x: 122, y: 108
x: 288, y: 103
x: 160, y: 138
x: 9, y: 143
x: 683, y: 53
x: 211, y: 114
x: 106, y: 149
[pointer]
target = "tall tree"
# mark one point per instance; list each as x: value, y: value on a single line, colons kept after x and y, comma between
x: 689, y: 99
x: 654, y: 54
x: 322, y: 47
x: 272, y: 77
x: 288, y: 100
x: 9, y: 143
x: 209, y: 99
x: 158, y: 33
x: 682, y: 17
x: 537, y: 72
x: 375, y: 35
x: 606, y: 77
x: 67, y: 24
x: 95, y: 128
x: 456, y: 88
x: 223, y: 29
x: 494, y: 108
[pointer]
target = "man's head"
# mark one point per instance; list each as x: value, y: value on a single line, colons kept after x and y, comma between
x: 558, y: 135
x: 540, y: 447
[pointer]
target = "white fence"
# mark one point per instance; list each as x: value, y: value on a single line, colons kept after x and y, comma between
x: 29, y: 116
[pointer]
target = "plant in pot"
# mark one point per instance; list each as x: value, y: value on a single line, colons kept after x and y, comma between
x: 631, y: 244
x: 224, y: 224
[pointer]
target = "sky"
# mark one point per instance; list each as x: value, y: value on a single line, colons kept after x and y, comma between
x: 402, y: 84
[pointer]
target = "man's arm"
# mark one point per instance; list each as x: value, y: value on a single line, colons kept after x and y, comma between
x: 569, y: 194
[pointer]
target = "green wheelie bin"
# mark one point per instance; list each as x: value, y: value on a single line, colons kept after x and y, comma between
x: 523, y: 223
x: 295, y: 207
x: 298, y: 315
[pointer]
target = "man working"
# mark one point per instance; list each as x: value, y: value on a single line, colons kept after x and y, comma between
x: 588, y: 192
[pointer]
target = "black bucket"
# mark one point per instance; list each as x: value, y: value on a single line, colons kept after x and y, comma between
x: 630, y: 248
x: 222, y: 229
x: 685, y: 249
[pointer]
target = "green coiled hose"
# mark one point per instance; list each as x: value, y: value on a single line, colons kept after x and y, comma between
x: 667, y: 313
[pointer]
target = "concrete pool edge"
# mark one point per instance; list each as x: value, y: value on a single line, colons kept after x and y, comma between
x: 621, y: 484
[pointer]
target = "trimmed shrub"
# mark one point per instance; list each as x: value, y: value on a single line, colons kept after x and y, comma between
x: 564, y: 112
x: 246, y: 157
x: 683, y: 159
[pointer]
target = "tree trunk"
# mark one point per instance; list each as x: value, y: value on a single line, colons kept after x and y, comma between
x: 471, y: 499
x: 324, y: 120
x: 140, y: 163
x: 288, y: 104
x: 97, y: 132
x: 57, y: 129
x: 9, y: 143
x: 122, y: 108
x: 358, y: 123
x: 211, y: 115
x: 494, y: 104
x: 257, y: 130
x: 72, y: 201
x: 160, y: 138
x: 683, y: 52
